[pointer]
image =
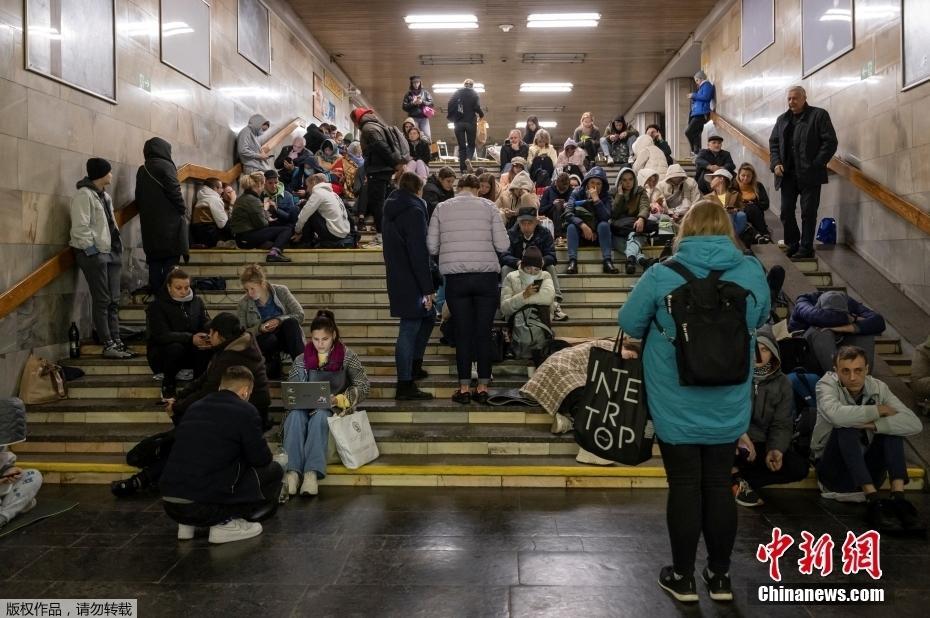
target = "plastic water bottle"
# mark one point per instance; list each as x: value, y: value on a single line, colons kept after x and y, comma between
x: 280, y: 456
x: 74, y: 341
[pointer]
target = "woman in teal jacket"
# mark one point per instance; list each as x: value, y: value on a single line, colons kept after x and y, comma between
x: 697, y: 426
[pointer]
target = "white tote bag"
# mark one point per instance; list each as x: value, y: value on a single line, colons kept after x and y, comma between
x: 355, y: 442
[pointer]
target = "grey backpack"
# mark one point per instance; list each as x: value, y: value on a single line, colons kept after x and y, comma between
x: 530, y: 330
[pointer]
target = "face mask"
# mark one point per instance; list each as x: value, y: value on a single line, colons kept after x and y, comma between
x: 526, y: 278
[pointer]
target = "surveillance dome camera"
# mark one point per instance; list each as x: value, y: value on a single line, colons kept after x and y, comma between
x: 505, y: 27
x: 504, y: 59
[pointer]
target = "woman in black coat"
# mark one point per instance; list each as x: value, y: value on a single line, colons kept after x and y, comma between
x: 438, y: 188
x: 177, y: 332
x: 409, y: 282
x: 162, y: 213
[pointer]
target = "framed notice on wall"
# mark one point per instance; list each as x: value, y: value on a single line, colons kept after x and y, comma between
x: 827, y: 32
x: 253, y: 33
x: 185, y: 38
x: 757, y: 28
x: 317, y: 97
x: 915, y: 43
x: 73, y: 43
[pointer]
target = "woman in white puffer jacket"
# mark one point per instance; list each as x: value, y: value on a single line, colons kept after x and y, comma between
x: 649, y: 155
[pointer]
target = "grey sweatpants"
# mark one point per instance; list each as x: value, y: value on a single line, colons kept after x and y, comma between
x: 20, y: 495
x: 102, y: 276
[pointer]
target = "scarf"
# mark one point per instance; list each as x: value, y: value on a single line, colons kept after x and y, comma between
x: 763, y: 371
x: 331, y: 158
x: 357, y: 160
x: 337, y: 356
x: 186, y: 299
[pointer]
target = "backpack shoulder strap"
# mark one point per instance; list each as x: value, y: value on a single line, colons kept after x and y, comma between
x: 676, y: 266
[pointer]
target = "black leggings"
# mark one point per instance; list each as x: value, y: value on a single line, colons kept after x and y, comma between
x: 288, y: 338
x: 465, y: 133
x: 756, y: 218
x: 700, y: 499
x: 204, y: 515
x: 277, y: 235
x: 693, y: 133
x: 473, y: 299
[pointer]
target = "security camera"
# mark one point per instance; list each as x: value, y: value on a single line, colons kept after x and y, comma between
x: 504, y: 59
x: 505, y: 27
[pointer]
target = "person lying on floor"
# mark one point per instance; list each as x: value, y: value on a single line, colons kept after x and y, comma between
x: 220, y: 474
x: 18, y: 487
x: 859, y: 440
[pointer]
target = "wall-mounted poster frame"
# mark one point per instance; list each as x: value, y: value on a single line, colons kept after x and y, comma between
x: 831, y: 21
x: 915, y: 45
x: 253, y: 33
x: 48, y: 51
x: 757, y: 28
x: 317, y: 97
x: 185, y: 38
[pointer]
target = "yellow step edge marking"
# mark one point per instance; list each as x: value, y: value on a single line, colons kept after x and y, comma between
x: 440, y: 470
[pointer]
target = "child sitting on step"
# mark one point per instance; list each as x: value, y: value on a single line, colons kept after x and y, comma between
x: 18, y: 487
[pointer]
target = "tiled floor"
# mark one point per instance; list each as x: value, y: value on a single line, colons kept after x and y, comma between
x: 428, y: 552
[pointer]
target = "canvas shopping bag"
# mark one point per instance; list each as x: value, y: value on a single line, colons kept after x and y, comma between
x: 613, y: 421
x: 43, y: 381
x: 355, y: 442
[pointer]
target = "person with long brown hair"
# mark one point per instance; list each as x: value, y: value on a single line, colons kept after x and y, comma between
x: 755, y: 202
x: 697, y: 426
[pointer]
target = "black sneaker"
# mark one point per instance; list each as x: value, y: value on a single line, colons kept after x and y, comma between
x: 718, y: 586
x: 572, y: 268
x: 746, y: 495
x: 630, y: 266
x: 460, y: 397
x: 408, y: 391
x: 878, y: 516
x: 792, y: 250
x: 683, y: 589
x: 906, y: 513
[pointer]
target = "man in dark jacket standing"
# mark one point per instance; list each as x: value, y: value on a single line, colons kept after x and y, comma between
x: 381, y: 162
x: 409, y: 282
x: 220, y: 472
x: 415, y: 100
x: 162, y: 213
x: 801, y: 145
x: 464, y: 106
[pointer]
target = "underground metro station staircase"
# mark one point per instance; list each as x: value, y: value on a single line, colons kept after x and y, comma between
x: 83, y: 439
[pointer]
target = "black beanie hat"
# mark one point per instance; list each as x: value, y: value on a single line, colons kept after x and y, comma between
x: 532, y: 256
x: 98, y: 168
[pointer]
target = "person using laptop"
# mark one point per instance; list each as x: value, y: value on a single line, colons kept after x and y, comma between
x: 306, y: 432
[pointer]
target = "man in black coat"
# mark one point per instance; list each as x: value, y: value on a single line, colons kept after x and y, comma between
x: 381, y: 162
x: 314, y: 137
x: 801, y: 145
x: 220, y: 472
x: 711, y: 159
x: 464, y: 106
x: 162, y: 213
x: 409, y: 282
x: 525, y: 233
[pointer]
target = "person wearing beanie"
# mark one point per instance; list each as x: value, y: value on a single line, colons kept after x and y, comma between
x: 530, y: 293
x: 529, y: 233
x: 765, y: 455
x: 98, y: 251
x: 418, y: 103
x: 700, y: 111
x: 381, y: 163
x: 18, y: 486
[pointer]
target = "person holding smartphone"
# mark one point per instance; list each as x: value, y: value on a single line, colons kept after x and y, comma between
x: 18, y: 486
x: 528, y: 291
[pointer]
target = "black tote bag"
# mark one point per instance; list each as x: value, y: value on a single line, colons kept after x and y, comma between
x: 613, y: 419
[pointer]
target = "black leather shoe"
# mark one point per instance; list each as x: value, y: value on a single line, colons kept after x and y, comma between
x: 609, y: 268
x: 482, y: 398
x: 418, y: 371
x: 630, y: 266
x: 572, y: 268
x: 408, y: 391
x: 803, y: 254
x: 792, y: 250
x: 460, y: 397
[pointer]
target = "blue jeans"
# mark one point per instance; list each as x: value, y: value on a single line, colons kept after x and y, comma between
x: 411, y: 344
x: 847, y: 463
x: 739, y: 221
x: 603, y: 239
x: 306, y: 435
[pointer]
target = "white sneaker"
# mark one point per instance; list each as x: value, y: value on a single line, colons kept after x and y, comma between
x: 557, y: 314
x: 293, y: 480
x: 561, y: 424
x: 234, y: 530
x: 587, y: 457
x: 610, y: 160
x: 309, y: 487
x: 839, y: 496
x: 185, y: 375
x: 185, y: 533
x: 158, y: 377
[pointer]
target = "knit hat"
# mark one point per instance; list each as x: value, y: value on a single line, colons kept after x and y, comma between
x: 358, y: 113
x: 12, y: 421
x: 700, y: 75
x: 98, y: 168
x: 532, y: 256
x: 269, y: 174
x: 227, y: 325
x: 834, y: 301
x: 526, y: 213
x: 518, y: 161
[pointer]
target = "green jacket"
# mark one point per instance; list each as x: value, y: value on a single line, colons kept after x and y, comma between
x: 632, y: 204
x: 248, y: 214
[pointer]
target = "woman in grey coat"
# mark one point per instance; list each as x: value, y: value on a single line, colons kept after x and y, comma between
x: 467, y: 234
x: 271, y: 313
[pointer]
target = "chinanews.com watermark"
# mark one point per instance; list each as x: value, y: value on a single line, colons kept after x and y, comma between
x: 859, y: 555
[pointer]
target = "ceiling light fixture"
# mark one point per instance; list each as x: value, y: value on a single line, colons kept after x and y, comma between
x: 553, y: 57
x: 430, y: 22
x: 540, y: 109
x: 434, y: 59
x: 545, y: 124
x: 562, y: 20
x: 505, y: 27
x: 447, y: 88
x: 546, y: 87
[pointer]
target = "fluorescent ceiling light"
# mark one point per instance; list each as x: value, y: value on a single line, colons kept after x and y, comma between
x: 428, y: 22
x: 540, y: 109
x: 546, y: 87
x: 545, y: 124
x: 562, y: 20
x: 435, y: 59
x: 447, y: 88
x: 550, y: 57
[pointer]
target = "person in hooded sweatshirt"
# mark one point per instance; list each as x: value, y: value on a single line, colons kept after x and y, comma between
x: 520, y: 193
x: 253, y: 156
x: 326, y: 159
x: 618, y: 141
x: 314, y: 138
x: 415, y: 103
x: 162, y: 212
x: 323, y: 222
x: 587, y: 217
x: 680, y: 192
x: 648, y: 155
x: 629, y: 219
x: 571, y: 155
x: 765, y: 456
x: 553, y: 200
x: 98, y: 250
x: 697, y: 426
x: 210, y: 215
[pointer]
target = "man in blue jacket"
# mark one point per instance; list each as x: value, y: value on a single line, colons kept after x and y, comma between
x: 831, y: 319
x: 587, y: 216
x: 700, y: 111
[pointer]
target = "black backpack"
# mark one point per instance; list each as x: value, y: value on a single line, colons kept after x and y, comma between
x: 398, y: 144
x: 712, y: 338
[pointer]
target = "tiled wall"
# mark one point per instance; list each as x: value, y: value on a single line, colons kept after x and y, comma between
x: 48, y: 130
x: 877, y: 124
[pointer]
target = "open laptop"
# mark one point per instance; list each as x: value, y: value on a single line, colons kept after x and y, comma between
x: 306, y: 395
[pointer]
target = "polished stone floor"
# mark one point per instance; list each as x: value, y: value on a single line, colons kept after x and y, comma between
x: 430, y: 552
